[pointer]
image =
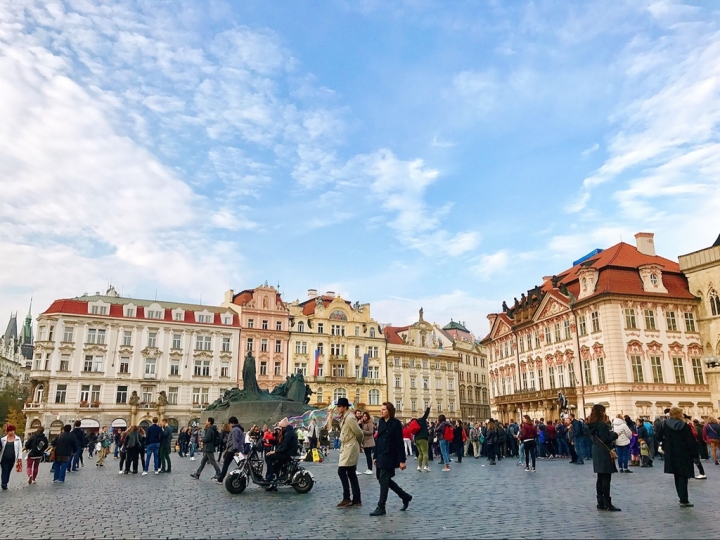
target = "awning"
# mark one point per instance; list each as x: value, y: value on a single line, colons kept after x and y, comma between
x: 119, y: 423
x: 89, y: 423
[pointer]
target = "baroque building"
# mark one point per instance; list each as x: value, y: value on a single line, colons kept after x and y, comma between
x: 472, y: 372
x: 340, y: 350
x: 702, y: 269
x: 264, y: 323
x: 115, y: 361
x: 16, y: 352
x: 618, y: 328
x: 422, y: 370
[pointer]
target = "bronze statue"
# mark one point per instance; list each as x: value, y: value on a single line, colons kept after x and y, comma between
x: 250, y: 385
x: 162, y: 398
x: 134, y: 399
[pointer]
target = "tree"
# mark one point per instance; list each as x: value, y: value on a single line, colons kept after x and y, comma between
x: 17, y: 419
x: 13, y: 397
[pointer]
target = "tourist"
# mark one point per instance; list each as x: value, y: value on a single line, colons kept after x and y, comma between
x: 458, y: 440
x: 90, y: 442
x: 562, y: 441
x: 702, y: 445
x: 193, y: 441
x: 10, y: 454
x: 551, y: 442
x: 210, y: 438
x: 696, y: 459
x: 603, y: 438
x: 711, y: 436
x: 634, y: 444
x: 142, y: 437
x: 81, y: 439
x: 313, y: 433
x: 513, y: 430
x: 103, y: 440
x: 153, y: 438
x: 680, y: 448
x: 389, y: 455
x: 474, y: 437
x: 491, y: 438
x: 622, y: 444
x: 421, y: 441
x: 233, y: 447
x: 283, y: 453
x: 577, y: 440
x: 122, y: 452
x: 118, y: 443
x: 36, y: 446
x: 445, y: 435
x: 165, y: 447
x: 643, y: 440
x: 132, y: 447
x: 66, y: 446
x: 527, y: 435
x: 368, y: 428
x: 407, y: 439
x: 351, y: 437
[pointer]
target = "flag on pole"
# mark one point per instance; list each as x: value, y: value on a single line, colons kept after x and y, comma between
x: 366, y: 365
x: 317, y: 362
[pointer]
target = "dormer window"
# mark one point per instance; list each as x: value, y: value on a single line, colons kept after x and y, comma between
x: 651, y: 276
x: 99, y: 310
x: 178, y: 315
x: 654, y: 279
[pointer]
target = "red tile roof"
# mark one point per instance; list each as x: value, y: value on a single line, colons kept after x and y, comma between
x: 391, y: 334
x: 243, y: 297
x: 309, y: 305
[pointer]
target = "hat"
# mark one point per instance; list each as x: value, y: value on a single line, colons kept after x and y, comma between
x: 342, y: 402
x: 283, y: 423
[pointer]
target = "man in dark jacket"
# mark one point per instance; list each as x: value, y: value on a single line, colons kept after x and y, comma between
x: 66, y: 447
x: 680, y: 449
x: 389, y: 455
x: 81, y: 440
x: 153, y: 438
x: 234, y: 446
x: 209, y: 438
x: 165, y: 445
x: 283, y: 453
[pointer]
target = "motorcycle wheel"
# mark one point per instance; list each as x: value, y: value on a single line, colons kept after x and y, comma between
x: 304, y: 484
x: 235, y: 483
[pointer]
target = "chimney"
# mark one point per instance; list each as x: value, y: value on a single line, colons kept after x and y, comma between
x: 312, y: 293
x: 331, y: 294
x: 645, y: 243
x: 491, y: 317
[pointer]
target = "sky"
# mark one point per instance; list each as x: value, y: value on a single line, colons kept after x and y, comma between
x: 403, y: 153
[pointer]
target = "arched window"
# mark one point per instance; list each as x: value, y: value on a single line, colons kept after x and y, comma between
x: 357, y: 396
x: 484, y: 395
x: 301, y: 326
x: 319, y: 395
x: 714, y: 302
x: 374, y: 397
x: 39, y: 391
x: 338, y: 393
x: 372, y: 332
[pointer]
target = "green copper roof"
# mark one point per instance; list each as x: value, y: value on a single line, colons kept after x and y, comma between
x: 455, y: 326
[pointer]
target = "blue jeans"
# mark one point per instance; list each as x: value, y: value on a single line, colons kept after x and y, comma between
x: 623, y: 453
x: 60, y: 469
x: 75, y: 463
x: 152, y: 450
x: 336, y: 443
x: 563, y: 448
x: 117, y: 450
x: 445, y: 451
x: 193, y: 448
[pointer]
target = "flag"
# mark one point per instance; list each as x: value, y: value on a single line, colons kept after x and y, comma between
x: 366, y: 365
x: 317, y: 362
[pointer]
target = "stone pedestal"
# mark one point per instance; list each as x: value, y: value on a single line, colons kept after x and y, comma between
x: 133, y: 415
x: 161, y: 412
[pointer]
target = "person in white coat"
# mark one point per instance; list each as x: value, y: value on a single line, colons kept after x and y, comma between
x: 11, y: 449
x: 351, y: 437
x: 622, y: 444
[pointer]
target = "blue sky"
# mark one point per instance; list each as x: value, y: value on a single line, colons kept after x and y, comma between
x: 400, y: 153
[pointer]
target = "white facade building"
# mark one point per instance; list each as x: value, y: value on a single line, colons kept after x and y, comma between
x: 93, y: 352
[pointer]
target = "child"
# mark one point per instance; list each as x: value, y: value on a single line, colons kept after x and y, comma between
x: 644, y: 454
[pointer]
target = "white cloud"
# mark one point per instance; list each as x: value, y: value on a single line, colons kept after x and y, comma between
x: 491, y: 264
x: 592, y: 149
x: 442, y: 144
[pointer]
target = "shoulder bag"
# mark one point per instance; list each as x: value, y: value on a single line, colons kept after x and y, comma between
x: 613, y: 453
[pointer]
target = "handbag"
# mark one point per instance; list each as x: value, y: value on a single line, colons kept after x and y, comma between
x: 98, y: 447
x: 18, y: 465
x: 51, y: 457
x: 613, y: 453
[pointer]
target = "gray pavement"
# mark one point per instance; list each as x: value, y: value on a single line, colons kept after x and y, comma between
x: 473, y: 500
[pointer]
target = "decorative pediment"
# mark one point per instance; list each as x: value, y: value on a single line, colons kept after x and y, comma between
x: 538, y: 363
x: 502, y: 328
x: 151, y: 352
x: 205, y: 355
x: 695, y: 349
x: 176, y: 355
x: 94, y: 348
x: 598, y: 350
x: 585, y: 352
x: 66, y: 347
x: 125, y: 349
x: 634, y: 347
x: 523, y: 367
x: 654, y: 347
x: 550, y: 307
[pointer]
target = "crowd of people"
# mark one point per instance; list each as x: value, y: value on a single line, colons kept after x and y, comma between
x: 613, y: 446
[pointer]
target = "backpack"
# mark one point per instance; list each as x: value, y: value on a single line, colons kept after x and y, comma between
x: 39, y: 445
x: 649, y: 427
x: 449, y: 433
x: 541, y: 436
x: 414, y: 427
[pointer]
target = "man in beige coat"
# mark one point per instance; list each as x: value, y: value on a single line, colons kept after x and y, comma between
x: 351, y: 437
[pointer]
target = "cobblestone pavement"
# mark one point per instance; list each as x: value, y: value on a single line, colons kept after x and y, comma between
x: 473, y: 500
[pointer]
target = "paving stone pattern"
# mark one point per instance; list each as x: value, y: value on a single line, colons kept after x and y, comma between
x: 473, y: 500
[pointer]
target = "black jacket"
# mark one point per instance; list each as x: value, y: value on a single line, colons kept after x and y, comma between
x: 166, y: 438
x: 457, y: 435
x: 209, y: 439
x: 680, y: 448
x: 389, y: 445
x: 289, y: 445
x: 423, y: 434
x: 38, y: 439
x: 602, y: 438
x: 66, y: 445
x: 79, y: 435
x: 491, y: 437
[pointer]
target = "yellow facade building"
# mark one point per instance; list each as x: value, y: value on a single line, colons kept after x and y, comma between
x: 340, y: 349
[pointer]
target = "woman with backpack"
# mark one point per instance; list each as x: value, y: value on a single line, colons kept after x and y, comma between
x: 445, y: 434
x: 36, y: 446
x: 133, y: 446
x: 491, y: 438
x: 711, y: 436
x: 603, y: 457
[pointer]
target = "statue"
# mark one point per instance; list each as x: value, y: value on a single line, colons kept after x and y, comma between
x: 162, y: 399
x: 563, y: 401
x: 296, y: 388
x: 318, y: 301
x: 504, y: 306
x: 308, y: 393
x: 250, y: 385
x: 134, y: 399
x: 421, y: 314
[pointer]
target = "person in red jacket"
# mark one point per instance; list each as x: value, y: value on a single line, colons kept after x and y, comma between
x: 552, y: 439
x: 407, y: 439
x: 527, y: 436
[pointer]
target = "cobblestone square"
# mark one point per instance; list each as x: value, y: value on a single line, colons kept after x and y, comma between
x: 473, y: 500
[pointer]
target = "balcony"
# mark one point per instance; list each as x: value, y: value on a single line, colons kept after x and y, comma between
x: 149, y: 376
x: 539, y: 395
x: 338, y: 357
x: 34, y: 405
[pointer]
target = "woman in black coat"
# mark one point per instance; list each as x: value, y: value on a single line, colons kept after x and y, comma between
x: 458, y: 440
x: 603, y: 438
x: 680, y: 449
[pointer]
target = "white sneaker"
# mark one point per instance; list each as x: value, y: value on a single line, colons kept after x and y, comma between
x: 144, y: 473
x: 368, y: 471
x: 157, y: 472
x: 192, y: 458
x: 426, y: 469
x: 701, y: 477
x: 419, y: 468
x: 120, y: 472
